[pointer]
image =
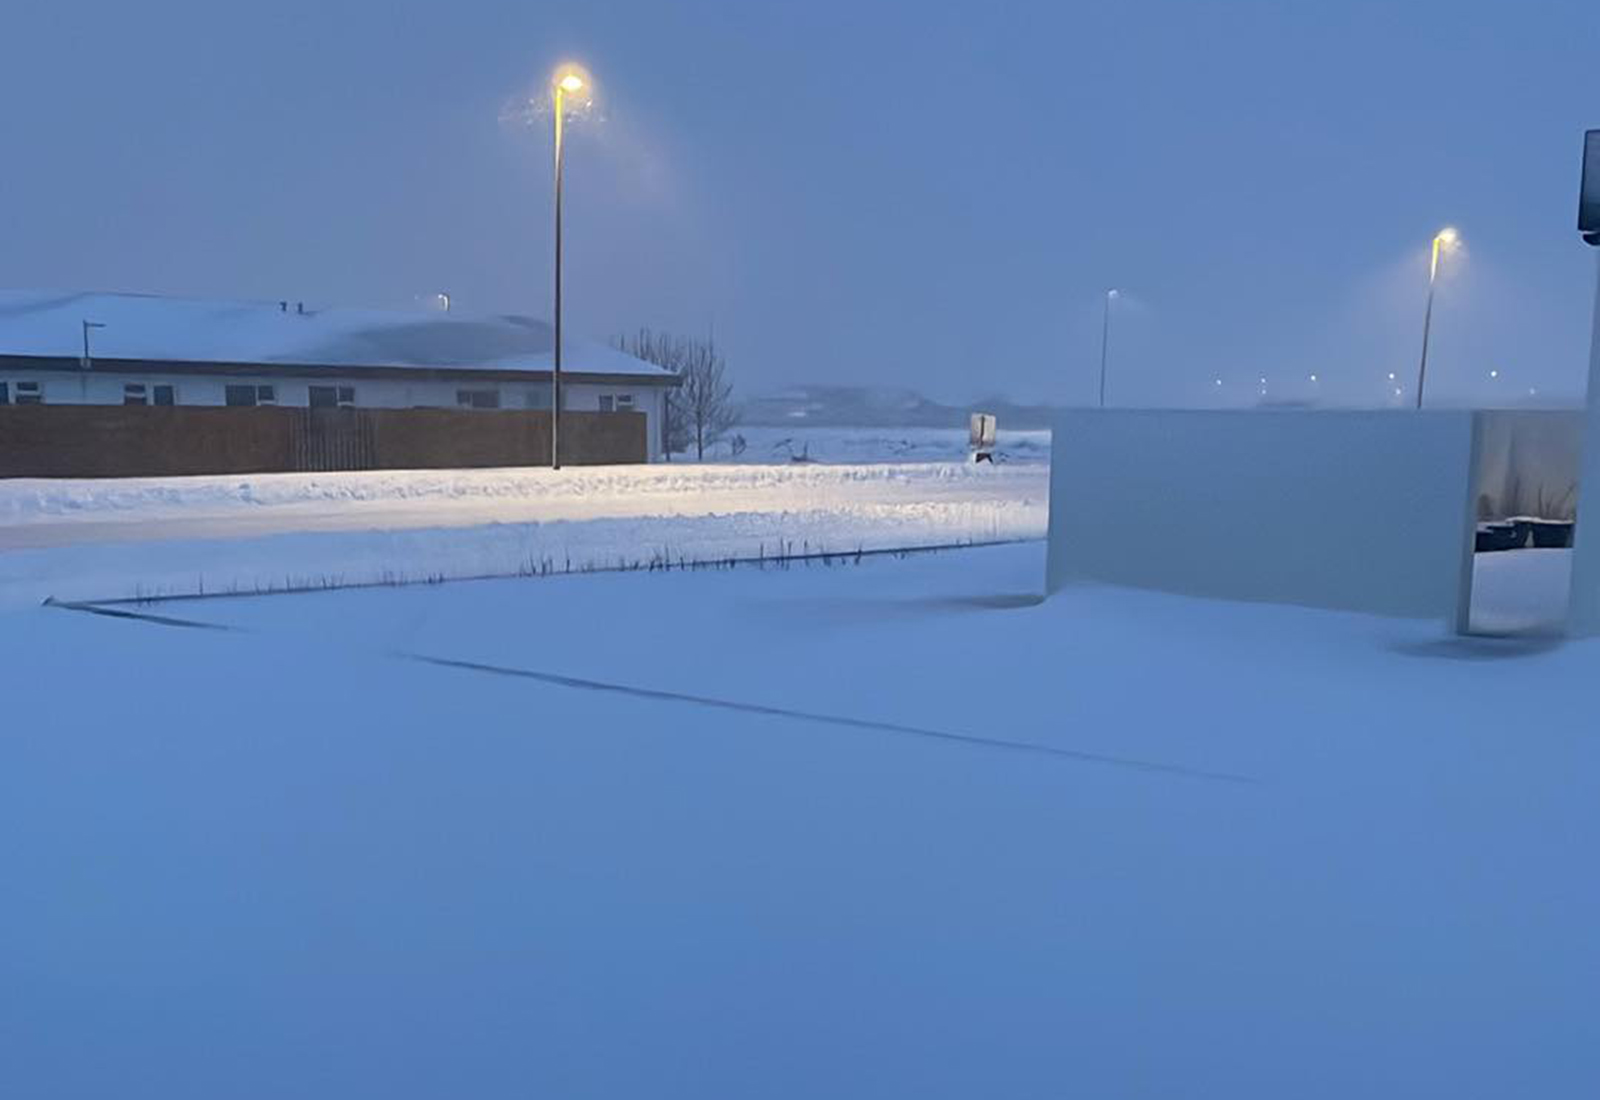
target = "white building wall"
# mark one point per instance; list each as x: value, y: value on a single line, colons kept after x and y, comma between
x: 97, y: 388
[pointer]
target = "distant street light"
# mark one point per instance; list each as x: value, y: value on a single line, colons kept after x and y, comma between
x: 1105, y: 341
x: 567, y: 80
x: 1443, y: 241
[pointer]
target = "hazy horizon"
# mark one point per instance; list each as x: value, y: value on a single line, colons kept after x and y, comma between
x: 878, y: 194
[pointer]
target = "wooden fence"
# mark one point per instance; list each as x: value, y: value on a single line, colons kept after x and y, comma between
x: 145, y: 441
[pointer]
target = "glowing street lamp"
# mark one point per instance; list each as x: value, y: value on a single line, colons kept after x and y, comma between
x: 567, y: 80
x: 1443, y: 241
x: 1105, y: 341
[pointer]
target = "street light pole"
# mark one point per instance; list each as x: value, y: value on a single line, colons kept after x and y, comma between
x: 555, y: 374
x: 1441, y: 240
x: 1105, y: 343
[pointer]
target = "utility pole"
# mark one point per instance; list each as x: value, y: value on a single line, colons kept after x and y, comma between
x: 86, y: 363
x: 1105, y: 343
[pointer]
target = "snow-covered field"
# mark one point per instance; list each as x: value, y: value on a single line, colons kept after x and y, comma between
x: 139, y: 536
x: 889, y: 829
x: 872, y: 445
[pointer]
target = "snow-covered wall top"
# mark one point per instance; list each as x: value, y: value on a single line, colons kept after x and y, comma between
x: 139, y: 326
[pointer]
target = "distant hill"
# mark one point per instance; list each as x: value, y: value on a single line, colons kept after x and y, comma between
x: 869, y: 407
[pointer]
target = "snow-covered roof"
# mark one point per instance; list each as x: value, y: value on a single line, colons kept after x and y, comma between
x: 194, y: 330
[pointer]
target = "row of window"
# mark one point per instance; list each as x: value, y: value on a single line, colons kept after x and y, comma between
x: 137, y: 393
x: 320, y: 397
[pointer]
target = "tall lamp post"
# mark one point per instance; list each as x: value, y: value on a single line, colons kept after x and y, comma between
x: 1443, y: 241
x: 1105, y: 341
x: 567, y: 81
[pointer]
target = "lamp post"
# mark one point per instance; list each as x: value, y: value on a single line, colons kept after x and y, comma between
x: 87, y: 363
x: 1105, y: 341
x: 1443, y: 241
x: 567, y: 81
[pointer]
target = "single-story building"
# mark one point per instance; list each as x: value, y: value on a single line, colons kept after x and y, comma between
x: 136, y: 349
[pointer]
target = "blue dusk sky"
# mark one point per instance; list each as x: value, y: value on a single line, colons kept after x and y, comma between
x: 902, y: 194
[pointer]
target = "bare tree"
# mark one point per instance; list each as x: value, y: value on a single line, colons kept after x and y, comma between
x: 700, y: 409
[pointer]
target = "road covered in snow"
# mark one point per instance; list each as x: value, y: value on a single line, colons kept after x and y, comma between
x: 139, y: 536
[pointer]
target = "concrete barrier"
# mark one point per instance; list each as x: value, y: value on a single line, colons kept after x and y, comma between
x: 1361, y: 511
x: 1583, y: 615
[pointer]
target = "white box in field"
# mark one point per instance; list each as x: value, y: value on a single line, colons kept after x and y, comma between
x: 981, y: 431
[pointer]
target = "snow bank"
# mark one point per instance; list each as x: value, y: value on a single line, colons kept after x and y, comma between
x: 668, y: 489
x: 140, y: 537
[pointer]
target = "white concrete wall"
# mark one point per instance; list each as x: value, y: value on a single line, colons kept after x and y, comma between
x: 96, y: 388
x: 1583, y: 617
x: 1365, y: 511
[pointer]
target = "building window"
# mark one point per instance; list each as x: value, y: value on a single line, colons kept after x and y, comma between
x: 247, y: 395
x: 134, y: 394
x: 28, y: 393
x: 163, y: 395
x: 537, y: 398
x: 620, y: 402
x: 478, y: 399
x: 5, y: 393
x: 332, y: 397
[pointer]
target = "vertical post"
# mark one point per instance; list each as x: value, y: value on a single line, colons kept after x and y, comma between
x: 1469, y: 525
x: 1105, y: 342
x: 1427, y: 320
x: 555, y: 374
x: 1583, y: 614
x: 87, y: 362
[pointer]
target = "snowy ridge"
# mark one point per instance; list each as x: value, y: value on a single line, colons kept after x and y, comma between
x: 640, y: 490
x: 173, y: 536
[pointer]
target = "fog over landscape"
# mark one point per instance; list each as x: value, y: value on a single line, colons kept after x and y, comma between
x: 887, y: 194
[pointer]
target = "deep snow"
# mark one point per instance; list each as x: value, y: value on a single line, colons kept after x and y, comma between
x: 291, y: 860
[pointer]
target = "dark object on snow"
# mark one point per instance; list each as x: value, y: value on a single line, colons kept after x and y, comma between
x: 981, y: 436
x: 1501, y: 536
x: 1589, y: 190
x: 1551, y: 534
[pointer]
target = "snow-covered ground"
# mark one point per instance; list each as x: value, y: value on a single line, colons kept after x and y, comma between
x: 140, y: 536
x: 871, y: 445
x: 354, y: 499
x: 719, y: 834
